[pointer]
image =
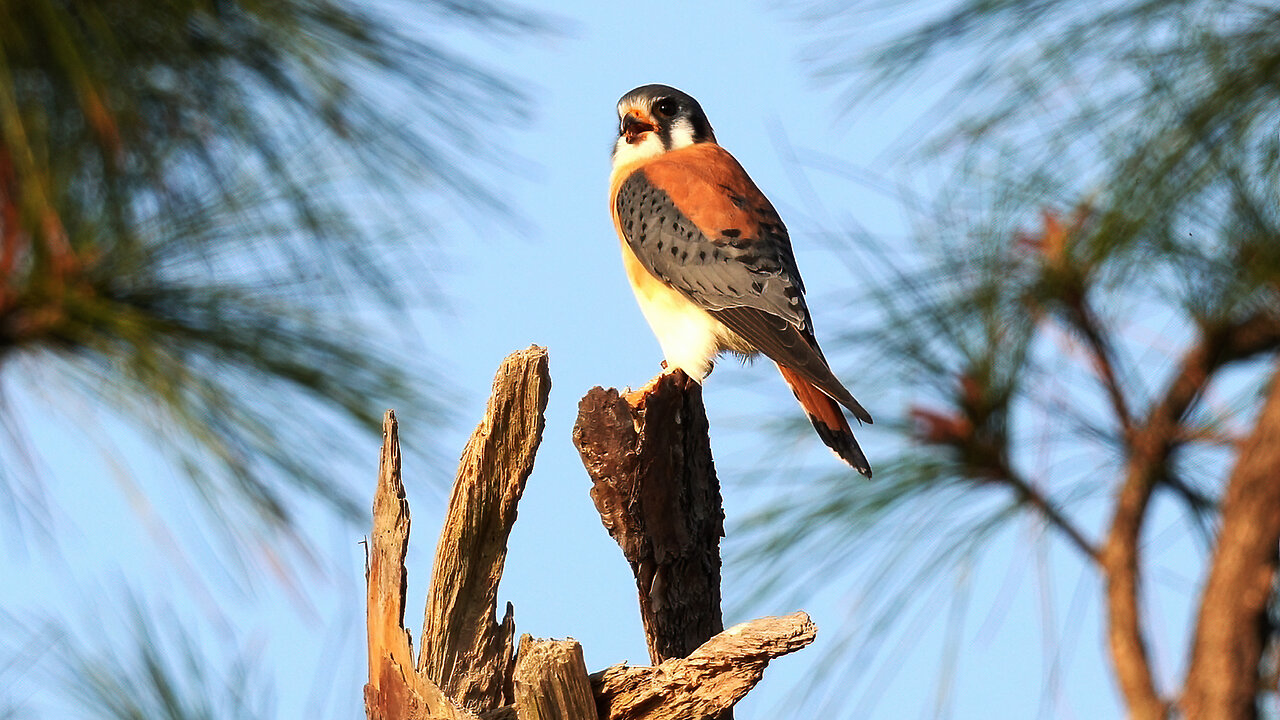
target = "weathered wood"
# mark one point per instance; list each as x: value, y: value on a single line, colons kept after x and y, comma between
x: 394, y: 691
x: 551, y: 681
x: 464, y: 649
x: 671, y: 529
x: 706, y: 683
x: 655, y: 486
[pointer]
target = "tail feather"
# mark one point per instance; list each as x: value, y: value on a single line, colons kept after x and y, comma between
x: 828, y: 419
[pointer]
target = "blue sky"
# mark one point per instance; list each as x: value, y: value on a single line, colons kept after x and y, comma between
x: 558, y: 282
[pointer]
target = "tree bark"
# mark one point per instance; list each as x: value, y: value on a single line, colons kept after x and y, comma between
x: 671, y: 528
x: 551, y: 681
x: 655, y: 486
x: 709, y: 681
x: 1232, y: 627
x: 464, y: 649
x: 1151, y: 447
x: 395, y: 691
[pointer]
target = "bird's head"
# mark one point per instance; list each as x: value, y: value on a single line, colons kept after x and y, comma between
x: 653, y: 119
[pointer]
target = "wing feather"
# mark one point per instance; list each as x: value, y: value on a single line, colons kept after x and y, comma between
x: 696, y: 221
x: 786, y: 345
x: 718, y: 270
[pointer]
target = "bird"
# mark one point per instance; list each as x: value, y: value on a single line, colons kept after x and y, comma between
x: 710, y: 260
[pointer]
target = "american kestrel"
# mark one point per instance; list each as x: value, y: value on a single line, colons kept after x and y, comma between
x: 710, y: 261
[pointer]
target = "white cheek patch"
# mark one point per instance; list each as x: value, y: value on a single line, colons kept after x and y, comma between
x: 681, y: 133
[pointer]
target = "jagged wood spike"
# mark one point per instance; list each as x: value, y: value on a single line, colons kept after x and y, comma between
x: 464, y: 648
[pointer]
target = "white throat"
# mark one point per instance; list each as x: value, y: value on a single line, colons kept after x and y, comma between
x: 650, y: 145
x: 625, y: 153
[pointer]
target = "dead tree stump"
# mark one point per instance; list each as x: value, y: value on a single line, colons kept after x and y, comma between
x: 551, y: 681
x: 466, y: 670
x: 655, y: 486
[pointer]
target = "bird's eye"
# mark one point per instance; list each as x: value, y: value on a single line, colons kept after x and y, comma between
x: 666, y: 107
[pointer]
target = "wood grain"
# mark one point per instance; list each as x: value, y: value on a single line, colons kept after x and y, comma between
x: 551, y: 681
x: 394, y: 691
x: 709, y: 681
x: 465, y: 649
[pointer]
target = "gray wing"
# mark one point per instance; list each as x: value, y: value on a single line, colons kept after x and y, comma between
x: 745, y: 276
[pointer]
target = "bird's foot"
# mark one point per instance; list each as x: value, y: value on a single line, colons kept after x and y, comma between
x: 635, y: 398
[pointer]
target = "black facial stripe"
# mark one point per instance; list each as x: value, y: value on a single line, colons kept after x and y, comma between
x: 701, y: 127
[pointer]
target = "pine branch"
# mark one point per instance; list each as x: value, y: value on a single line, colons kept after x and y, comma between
x: 1153, y: 443
x: 1232, y: 628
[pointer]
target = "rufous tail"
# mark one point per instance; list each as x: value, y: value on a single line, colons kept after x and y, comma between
x: 828, y: 419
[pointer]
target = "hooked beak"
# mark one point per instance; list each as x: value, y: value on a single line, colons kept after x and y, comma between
x: 633, y: 127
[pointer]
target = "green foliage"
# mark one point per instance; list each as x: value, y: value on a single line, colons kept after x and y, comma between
x: 134, y: 667
x: 214, y: 217
x: 1105, y: 251
x: 199, y: 197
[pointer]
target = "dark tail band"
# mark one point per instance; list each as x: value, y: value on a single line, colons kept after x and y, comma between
x: 828, y: 419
